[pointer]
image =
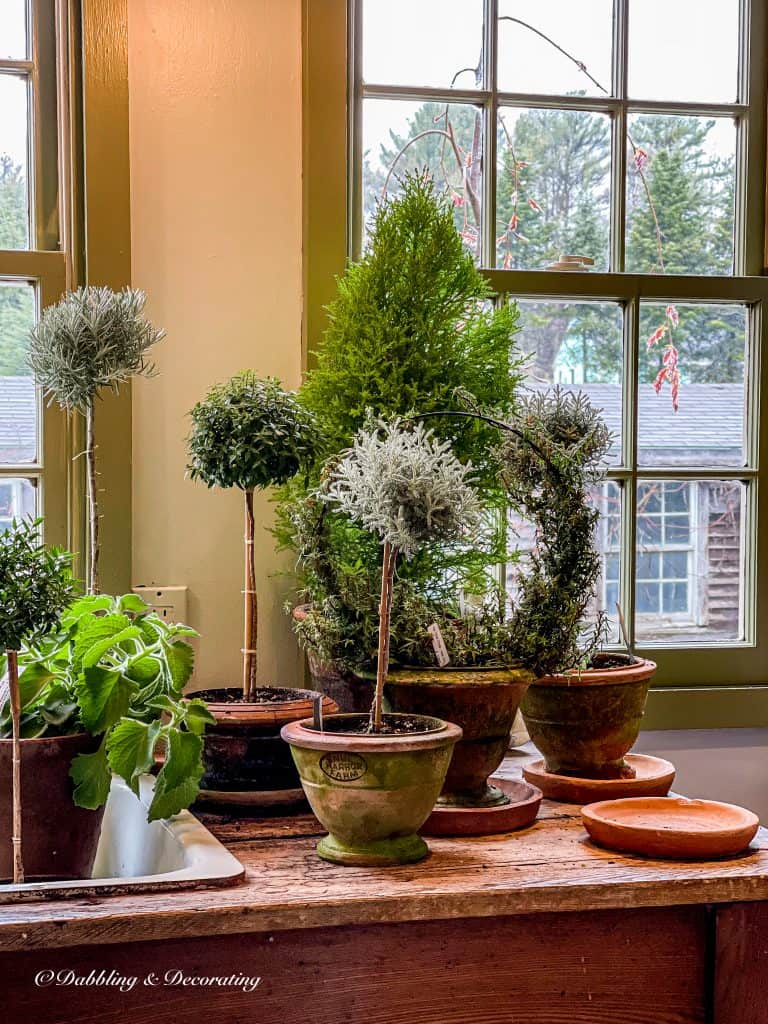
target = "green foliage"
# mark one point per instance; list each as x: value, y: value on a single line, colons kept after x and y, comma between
x: 113, y: 667
x: 35, y: 584
x: 13, y: 205
x: 91, y: 339
x: 551, y: 461
x: 412, y: 328
x: 249, y: 433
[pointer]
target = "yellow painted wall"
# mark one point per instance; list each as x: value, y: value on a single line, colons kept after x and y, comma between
x: 215, y: 116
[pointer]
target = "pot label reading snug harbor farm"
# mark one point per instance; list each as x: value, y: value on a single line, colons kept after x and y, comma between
x: 343, y: 767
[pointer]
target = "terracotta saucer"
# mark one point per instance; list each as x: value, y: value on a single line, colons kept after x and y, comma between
x: 653, y: 777
x: 671, y: 827
x: 520, y: 812
x: 253, y: 798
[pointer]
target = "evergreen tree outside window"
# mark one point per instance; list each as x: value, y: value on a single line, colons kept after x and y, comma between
x: 634, y: 135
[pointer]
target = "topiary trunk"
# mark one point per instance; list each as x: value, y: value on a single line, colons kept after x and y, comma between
x: 93, y: 502
x: 389, y: 561
x: 13, y: 686
x: 251, y: 608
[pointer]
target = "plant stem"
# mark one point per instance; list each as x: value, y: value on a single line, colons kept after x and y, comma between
x: 93, y: 503
x: 13, y: 686
x: 385, y: 613
x: 251, y: 609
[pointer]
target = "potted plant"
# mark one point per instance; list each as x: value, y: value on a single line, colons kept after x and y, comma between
x: 99, y: 692
x: 413, y: 328
x: 583, y: 710
x: 35, y: 585
x: 372, y: 780
x: 92, y: 339
x: 251, y: 434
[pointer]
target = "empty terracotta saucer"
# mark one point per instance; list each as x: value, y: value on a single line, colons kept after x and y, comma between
x: 671, y: 827
x: 653, y: 777
x: 521, y: 811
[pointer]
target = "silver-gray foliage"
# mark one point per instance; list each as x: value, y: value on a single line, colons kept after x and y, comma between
x: 92, y: 338
x: 403, y: 484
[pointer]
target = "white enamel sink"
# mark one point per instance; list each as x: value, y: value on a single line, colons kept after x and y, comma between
x: 135, y: 855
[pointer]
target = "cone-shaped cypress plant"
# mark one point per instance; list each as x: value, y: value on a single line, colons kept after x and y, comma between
x: 412, y: 329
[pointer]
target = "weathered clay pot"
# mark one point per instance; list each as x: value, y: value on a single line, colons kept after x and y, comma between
x: 483, y: 702
x: 243, y: 752
x: 58, y: 839
x: 352, y: 693
x: 372, y: 792
x: 585, y: 722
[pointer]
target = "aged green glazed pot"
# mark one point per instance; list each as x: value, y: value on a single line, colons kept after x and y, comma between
x: 483, y: 701
x: 372, y: 792
x: 585, y: 722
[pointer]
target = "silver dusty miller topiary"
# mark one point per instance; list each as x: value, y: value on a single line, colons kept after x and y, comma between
x: 403, y: 484
x: 93, y: 338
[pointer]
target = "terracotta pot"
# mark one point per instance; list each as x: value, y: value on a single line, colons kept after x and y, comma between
x: 243, y: 752
x: 58, y: 839
x: 483, y: 701
x: 585, y: 722
x: 372, y: 792
x: 351, y: 692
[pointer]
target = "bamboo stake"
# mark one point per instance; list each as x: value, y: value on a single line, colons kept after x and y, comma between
x: 385, y: 613
x: 251, y: 609
x: 13, y: 685
x: 93, y: 503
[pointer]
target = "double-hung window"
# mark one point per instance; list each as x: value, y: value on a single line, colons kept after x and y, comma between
x: 606, y: 165
x: 33, y: 254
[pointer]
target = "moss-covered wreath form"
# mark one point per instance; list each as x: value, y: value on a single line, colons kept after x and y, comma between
x: 553, y: 459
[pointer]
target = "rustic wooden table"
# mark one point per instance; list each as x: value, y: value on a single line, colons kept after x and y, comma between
x: 539, y: 926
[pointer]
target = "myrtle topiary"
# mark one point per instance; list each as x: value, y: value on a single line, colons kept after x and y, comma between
x: 249, y: 433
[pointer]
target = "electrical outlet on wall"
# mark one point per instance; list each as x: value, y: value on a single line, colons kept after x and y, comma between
x: 170, y: 603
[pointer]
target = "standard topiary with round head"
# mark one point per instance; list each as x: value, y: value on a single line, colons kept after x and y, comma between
x: 36, y: 585
x: 92, y: 339
x: 252, y: 434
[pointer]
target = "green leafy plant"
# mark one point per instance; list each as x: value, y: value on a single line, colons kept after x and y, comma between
x: 35, y: 585
x: 552, y: 459
x: 112, y: 667
x: 406, y: 488
x: 249, y: 433
x: 413, y: 327
x: 92, y: 339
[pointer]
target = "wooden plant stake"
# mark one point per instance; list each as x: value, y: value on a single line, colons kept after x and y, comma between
x: 13, y: 686
x: 251, y: 608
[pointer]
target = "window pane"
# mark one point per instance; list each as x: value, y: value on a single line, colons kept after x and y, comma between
x: 681, y: 174
x: 686, y: 50
x: 18, y: 398
x: 17, y: 499
x: 690, y: 570
x: 429, y: 43
x: 529, y: 62
x: 579, y: 346
x: 14, y: 216
x: 705, y: 344
x: 553, y: 187
x: 13, y: 30
x: 445, y: 138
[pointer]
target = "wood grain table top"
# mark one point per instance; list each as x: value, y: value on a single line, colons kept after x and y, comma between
x: 550, y: 867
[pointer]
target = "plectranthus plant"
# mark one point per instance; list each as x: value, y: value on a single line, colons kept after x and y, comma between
x: 93, y: 339
x: 402, y: 484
